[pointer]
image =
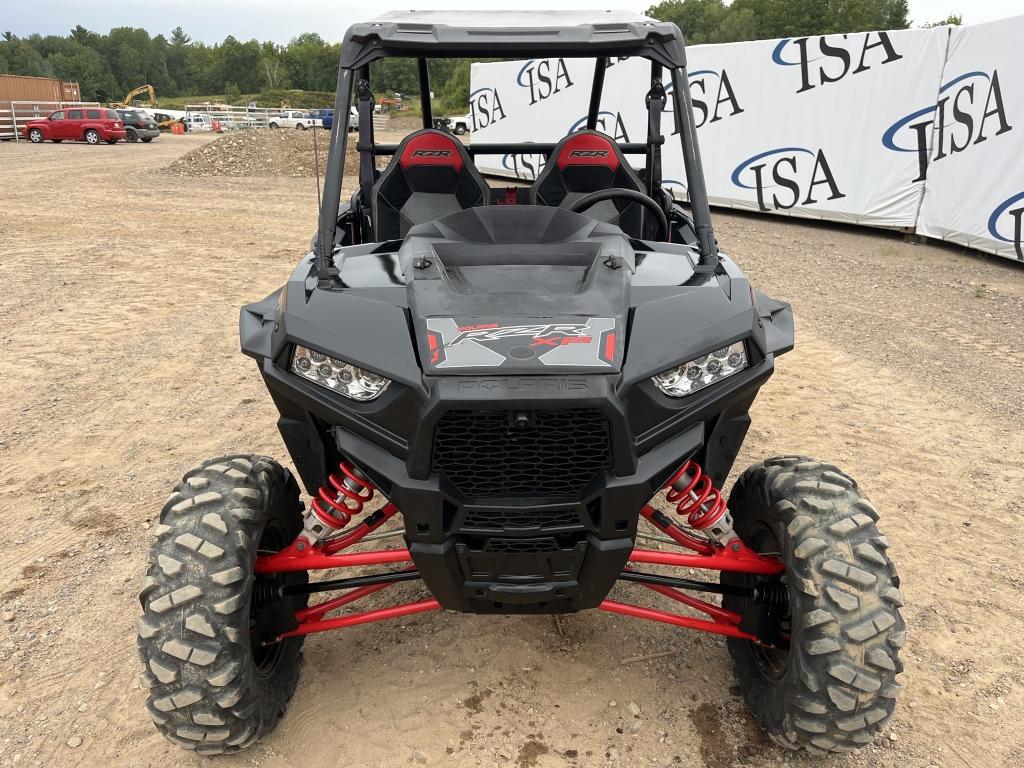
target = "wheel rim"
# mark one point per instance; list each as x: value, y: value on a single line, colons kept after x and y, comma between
x: 35, y: 136
x: 262, y: 625
x: 92, y: 137
x: 771, y: 662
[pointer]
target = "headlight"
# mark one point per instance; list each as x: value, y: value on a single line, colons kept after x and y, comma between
x: 690, y: 377
x: 344, y: 378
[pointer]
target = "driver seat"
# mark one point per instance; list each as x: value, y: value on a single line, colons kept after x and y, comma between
x: 430, y: 176
x: 585, y: 162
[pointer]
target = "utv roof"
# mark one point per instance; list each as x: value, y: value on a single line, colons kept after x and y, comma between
x: 514, y: 34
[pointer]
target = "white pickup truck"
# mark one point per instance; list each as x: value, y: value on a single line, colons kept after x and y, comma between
x: 461, y: 124
x: 293, y: 118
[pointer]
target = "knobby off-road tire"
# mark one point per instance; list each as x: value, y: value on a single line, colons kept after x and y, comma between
x: 212, y: 688
x: 837, y: 686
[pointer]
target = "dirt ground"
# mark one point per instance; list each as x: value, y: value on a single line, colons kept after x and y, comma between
x: 119, y: 369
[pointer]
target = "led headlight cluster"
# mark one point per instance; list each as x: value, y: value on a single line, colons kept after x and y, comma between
x: 690, y: 377
x: 344, y: 378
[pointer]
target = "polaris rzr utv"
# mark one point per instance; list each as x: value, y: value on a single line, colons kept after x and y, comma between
x: 518, y: 372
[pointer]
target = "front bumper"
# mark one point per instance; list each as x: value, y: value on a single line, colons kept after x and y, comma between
x: 557, y: 554
x: 145, y: 133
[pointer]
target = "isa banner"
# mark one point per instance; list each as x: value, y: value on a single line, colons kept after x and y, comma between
x: 795, y: 126
x: 974, y: 194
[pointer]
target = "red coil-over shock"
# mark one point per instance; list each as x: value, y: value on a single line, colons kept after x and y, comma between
x: 337, y: 502
x: 700, y: 502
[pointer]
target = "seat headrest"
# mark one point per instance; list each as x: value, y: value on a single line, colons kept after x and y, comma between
x: 432, y: 147
x: 588, y: 148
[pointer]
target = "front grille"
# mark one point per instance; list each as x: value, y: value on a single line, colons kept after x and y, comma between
x: 521, y: 546
x: 511, y: 519
x: 501, y: 454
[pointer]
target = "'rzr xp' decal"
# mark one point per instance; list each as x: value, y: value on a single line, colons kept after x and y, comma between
x: 479, y: 345
x: 549, y: 333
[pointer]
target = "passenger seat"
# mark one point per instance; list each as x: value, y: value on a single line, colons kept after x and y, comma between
x: 430, y: 176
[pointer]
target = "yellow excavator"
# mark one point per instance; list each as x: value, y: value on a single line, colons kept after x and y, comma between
x: 142, y: 89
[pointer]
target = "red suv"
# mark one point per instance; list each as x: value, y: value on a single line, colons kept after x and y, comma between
x: 90, y: 124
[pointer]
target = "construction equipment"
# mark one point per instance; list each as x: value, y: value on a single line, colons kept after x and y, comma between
x: 388, y: 104
x: 142, y: 89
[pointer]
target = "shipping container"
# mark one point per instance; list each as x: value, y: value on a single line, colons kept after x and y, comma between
x: 23, y: 98
x: 22, y: 88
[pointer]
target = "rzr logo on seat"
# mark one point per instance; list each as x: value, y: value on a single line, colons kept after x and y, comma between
x: 589, y: 153
x: 432, y: 153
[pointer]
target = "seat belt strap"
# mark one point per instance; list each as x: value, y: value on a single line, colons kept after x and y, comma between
x: 364, y: 108
x: 656, y: 99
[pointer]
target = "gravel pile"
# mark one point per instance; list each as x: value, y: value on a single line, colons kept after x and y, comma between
x: 260, y: 153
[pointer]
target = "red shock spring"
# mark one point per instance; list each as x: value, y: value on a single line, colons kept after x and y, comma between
x: 351, y: 490
x: 695, y: 496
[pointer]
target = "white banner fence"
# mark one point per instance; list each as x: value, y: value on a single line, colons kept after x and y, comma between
x: 921, y: 130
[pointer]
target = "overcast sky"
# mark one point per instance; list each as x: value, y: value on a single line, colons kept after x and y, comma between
x: 280, y: 20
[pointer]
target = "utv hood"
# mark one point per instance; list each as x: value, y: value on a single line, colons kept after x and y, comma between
x: 518, y: 290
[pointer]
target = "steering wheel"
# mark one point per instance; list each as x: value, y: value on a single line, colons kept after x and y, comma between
x: 619, y: 193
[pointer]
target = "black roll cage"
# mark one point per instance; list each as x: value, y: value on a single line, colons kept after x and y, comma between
x: 661, y: 43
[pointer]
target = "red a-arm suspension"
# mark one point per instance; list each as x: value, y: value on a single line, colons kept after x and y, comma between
x: 322, y: 545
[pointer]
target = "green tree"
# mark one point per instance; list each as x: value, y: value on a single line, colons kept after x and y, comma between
x: 953, y: 20
x: 272, y: 68
x: 389, y: 76
x: 454, y: 92
x: 86, y: 67
x: 240, y: 63
x: 204, y: 69
x: 698, y: 19
x: 712, y: 21
x: 741, y: 24
x: 84, y: 37
x: 176, y: 59
x: 311, y: 63
x: 23, y: 59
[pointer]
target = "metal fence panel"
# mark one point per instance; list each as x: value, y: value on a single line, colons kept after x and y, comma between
x: 234, y: 118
